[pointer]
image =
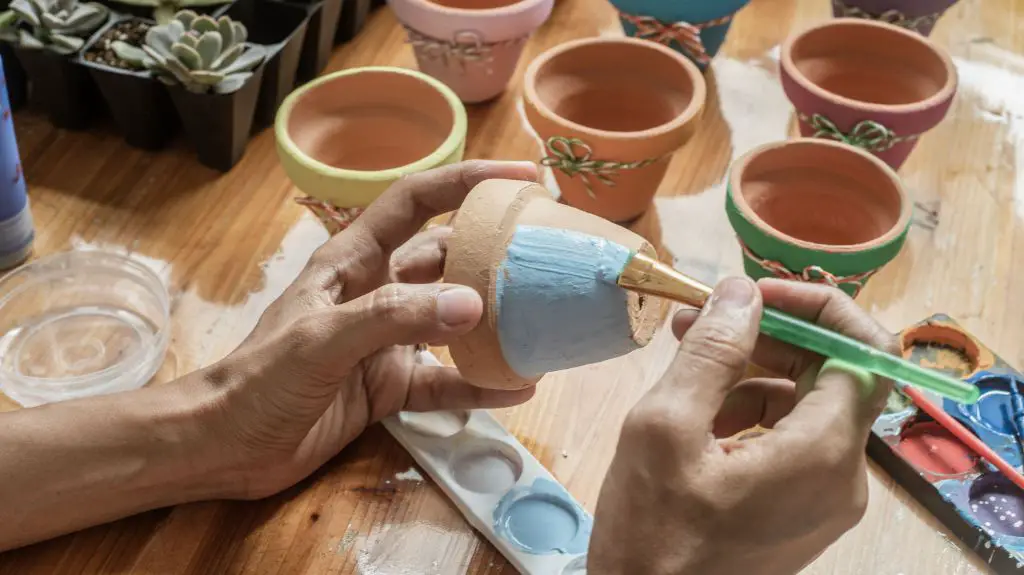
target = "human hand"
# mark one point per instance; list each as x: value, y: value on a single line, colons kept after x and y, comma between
x: 334, y: 353
x: 684, y: 497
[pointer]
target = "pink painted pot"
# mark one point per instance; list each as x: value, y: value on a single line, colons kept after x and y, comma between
x: 868, y: 84
x: 473, y: 46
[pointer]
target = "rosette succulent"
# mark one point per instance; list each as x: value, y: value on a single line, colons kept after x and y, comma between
x: 58, y: 25
x: 198, y: 52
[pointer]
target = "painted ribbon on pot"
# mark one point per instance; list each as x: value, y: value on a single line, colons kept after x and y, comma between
x: 685, y: 33
x: 895, y: 17
x: 866, y: 134
x: 334, y: 218
x: 572, y: 156
x: 810, y: 274
x: 466, y: 46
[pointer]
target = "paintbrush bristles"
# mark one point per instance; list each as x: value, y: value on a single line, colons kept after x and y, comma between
x: 644, y: 274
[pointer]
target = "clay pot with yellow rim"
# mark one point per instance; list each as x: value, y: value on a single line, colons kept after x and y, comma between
x: 345, y: 137
x: 817, y: 211
x: 869, y: 84
x: 610, y: 113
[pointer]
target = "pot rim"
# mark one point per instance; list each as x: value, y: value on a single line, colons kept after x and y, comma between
x: 944, y: 94
x: 512, y: 9
x: 739, y: 167
x: 692, y: 110
x: 451, y: 143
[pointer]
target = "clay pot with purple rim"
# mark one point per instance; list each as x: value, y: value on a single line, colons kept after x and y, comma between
x: 917, y: 15
x: 868, y: 84
x: 522, y: 334
x: 816, y: 211
x: 610, y: 112
x: 473, y: 46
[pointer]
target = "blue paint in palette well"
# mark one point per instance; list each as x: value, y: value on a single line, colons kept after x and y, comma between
x: 991, y: 418
x: 543, y: 519
x: 558, y: 303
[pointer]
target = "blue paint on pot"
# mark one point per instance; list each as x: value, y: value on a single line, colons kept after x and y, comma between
x: 543, y: 519
x: 991, y: 418
x: 693, y: 12
x: 558, y: 303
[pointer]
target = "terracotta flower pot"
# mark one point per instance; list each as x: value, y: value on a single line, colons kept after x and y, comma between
x: 347, y: 136
x: 917, y: 15
x: 471, y: 45
x: 696, y: 28
x: 611, y: 112
x: 816, y: 211
x: 546, y: 273
x: 868, y: 84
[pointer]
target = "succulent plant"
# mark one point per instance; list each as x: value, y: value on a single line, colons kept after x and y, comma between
x: 58, y: 25
x: 196, y: 51
x: 164, y: 10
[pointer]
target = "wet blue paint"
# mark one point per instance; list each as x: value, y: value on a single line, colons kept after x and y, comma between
x: 558, y: 303
x: 543, y: 519
x: 991, y: 418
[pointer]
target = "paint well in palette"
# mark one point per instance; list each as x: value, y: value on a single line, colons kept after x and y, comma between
x: 487, y: 467
x: 441, y: 424
x: 991, y: 418
x: 935, y: 452
x: 542, y: 519
x: 997, y: 504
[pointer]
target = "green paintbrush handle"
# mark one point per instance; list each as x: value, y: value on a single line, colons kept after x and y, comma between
x: 830, y: 344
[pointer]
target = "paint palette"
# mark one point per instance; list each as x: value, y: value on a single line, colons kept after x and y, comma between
x: 502, y: 490
x: 983, y: 508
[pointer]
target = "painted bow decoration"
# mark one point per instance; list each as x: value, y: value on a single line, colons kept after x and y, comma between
x: 867, y: 134
x: 810, y: 274
x: 686, y: 34
x: 465, y: 46
x: 894, y: 17
x: 572, y: 156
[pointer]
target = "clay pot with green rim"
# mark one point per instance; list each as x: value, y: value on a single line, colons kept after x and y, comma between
x: 817, y: 211
x: 345, y: 137
x: 869, y: 84
x: 610, y: 112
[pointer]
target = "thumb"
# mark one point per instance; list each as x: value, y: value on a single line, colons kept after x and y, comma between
x: 406, y: 314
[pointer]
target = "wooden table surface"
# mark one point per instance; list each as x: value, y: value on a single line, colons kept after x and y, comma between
x: 228, y: 244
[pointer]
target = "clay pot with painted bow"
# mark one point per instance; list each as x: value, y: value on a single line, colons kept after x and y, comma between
x: 610, y: 112
x: 695, y: 28
x: 917, y: 15
x: 868, y: 84
x: 473, y: 46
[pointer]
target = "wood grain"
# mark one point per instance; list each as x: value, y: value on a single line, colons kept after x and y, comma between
x: 228, y: 244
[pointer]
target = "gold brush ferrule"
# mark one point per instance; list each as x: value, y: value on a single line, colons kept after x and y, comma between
x: 646, y: 275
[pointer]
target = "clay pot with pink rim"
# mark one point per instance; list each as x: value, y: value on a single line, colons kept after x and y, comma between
x: 917, y: 15
x: 868, y: 84
x: 610, y: 112
x: 816, y: 211
x: 473, y: 46
x: 515, y: 246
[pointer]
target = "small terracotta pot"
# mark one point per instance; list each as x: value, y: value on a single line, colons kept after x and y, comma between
x: 610, y: 113
x: 347, y: 136
x: 473, y: 46
x: 696, y: 28
x: 531, y: 326
x: 917, y: 15
x: 816, y: 211
x: 868, y: 84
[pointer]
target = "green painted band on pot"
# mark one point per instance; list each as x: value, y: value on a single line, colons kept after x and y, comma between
x: 796, y: 259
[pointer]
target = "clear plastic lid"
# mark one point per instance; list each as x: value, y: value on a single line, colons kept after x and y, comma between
x: 79, y: 324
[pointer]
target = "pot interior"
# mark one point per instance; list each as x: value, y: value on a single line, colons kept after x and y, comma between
x: 823, y: 195
x: 474, y: 4
x: 617, y: 87
x: 371, y: 120
x: 870, y: 64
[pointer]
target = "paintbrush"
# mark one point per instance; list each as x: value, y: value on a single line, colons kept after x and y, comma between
x: 1018, y: 414
x: 644, y: 274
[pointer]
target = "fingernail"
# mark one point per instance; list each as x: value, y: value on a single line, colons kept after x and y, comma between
x: 731, y: 293
x: 458, y: 306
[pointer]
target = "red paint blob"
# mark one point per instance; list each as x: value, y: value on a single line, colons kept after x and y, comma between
x: 935, y: 452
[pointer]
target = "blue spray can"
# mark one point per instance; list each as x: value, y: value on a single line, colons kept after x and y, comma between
x: 16, y: 229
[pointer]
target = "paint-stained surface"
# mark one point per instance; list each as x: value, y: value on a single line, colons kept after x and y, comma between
x: 229, y: 244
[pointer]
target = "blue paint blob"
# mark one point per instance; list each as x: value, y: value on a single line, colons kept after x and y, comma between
x: 558, y: 302
x: 991, y: 418
x: 543, y: 519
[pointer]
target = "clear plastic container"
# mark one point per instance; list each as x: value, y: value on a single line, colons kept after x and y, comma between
x: 79, y: 324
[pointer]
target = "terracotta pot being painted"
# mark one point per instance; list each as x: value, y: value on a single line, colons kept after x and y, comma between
x: 817, y: 211
x: 696, y: 28
x: 347, y: 136
x: 473, y: 46
x: 610, y: 113
x: 917, y: 15
x: 546, y: 317
x: 869, y: 84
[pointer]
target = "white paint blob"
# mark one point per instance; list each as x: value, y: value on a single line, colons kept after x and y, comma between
x: 436, y: 423
x: 410, y: 474
x: 487, y: 467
